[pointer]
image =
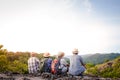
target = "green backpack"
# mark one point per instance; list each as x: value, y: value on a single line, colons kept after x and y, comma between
x: 42, y: 64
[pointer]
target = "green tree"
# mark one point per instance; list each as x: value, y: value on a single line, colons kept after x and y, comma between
x: 1, y: 46
x: 2, y: 51
x: 3, y: 63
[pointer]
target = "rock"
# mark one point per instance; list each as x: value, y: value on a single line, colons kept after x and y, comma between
x: 48, y: 76
x: 110, y: 64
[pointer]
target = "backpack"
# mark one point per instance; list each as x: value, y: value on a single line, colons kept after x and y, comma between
x: 55, y: 66
x: 45, y: 65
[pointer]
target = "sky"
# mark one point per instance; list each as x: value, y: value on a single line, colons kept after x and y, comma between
x: 92, y: 26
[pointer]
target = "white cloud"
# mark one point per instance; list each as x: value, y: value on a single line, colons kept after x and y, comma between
x: 88, y: 5
x: 42, y: 26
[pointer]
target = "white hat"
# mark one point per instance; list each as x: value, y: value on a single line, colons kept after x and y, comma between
x: 47, y: 54
x: 75, y: 51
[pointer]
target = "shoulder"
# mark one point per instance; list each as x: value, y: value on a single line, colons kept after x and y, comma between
x: 79, y: 56
x: 30, y: 58
x: 49, y: 59
x: 35, y: 58
x: 63, y: 60
x: 75, y: 56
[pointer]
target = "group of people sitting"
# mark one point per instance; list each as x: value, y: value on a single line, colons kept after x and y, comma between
x: 59, y: 65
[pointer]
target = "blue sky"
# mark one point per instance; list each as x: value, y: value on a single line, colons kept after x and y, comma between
x: 92, y: 26
x: 108, y: 10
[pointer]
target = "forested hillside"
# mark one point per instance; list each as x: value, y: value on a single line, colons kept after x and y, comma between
x: 99, y: 58
x: 109, y: 69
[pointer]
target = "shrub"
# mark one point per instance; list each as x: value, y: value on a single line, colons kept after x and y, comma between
x: 3, y: 63
x: 18, y: 67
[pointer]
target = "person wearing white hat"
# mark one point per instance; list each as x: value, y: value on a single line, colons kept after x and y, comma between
x: 77, y: 67
x: 46, y: 54
x: 45, y: 65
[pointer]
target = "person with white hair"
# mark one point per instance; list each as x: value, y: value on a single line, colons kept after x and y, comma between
x: 59, y: 65
x: 63, y: 63
x: 33, y: 64
x: 77, y: 67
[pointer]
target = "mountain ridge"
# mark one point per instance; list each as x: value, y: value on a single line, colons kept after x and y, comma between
x: 98, y: 58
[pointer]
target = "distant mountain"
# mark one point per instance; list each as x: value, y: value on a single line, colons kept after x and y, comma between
x: 99, y: 58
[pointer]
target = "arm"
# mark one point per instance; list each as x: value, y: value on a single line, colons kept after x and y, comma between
x: 84, y: 65
x: 38, y: 61
x: 81, y: 60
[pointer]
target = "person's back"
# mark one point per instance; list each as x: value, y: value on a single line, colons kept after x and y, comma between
x: 76, y: 65
x: 45, y: 65
x: 33, y: 64
x: 64, y: 65
x: 58, y: 64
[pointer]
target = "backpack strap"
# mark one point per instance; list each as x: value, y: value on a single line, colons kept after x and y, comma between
x: 59, y: 65
x: 42, y: 64
x: 59, y: 61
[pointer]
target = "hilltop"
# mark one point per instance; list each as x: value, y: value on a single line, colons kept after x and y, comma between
x: 99, y: 58
x: 109, y: 69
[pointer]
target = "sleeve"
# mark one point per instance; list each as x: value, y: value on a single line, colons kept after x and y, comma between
x: 81, y: 60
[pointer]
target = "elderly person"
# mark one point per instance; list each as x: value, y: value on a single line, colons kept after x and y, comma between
x: 77, y: 66
x: 33, y: 64
x: 45, y: 65
x: 59, y: 65
x: 63, y: 62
